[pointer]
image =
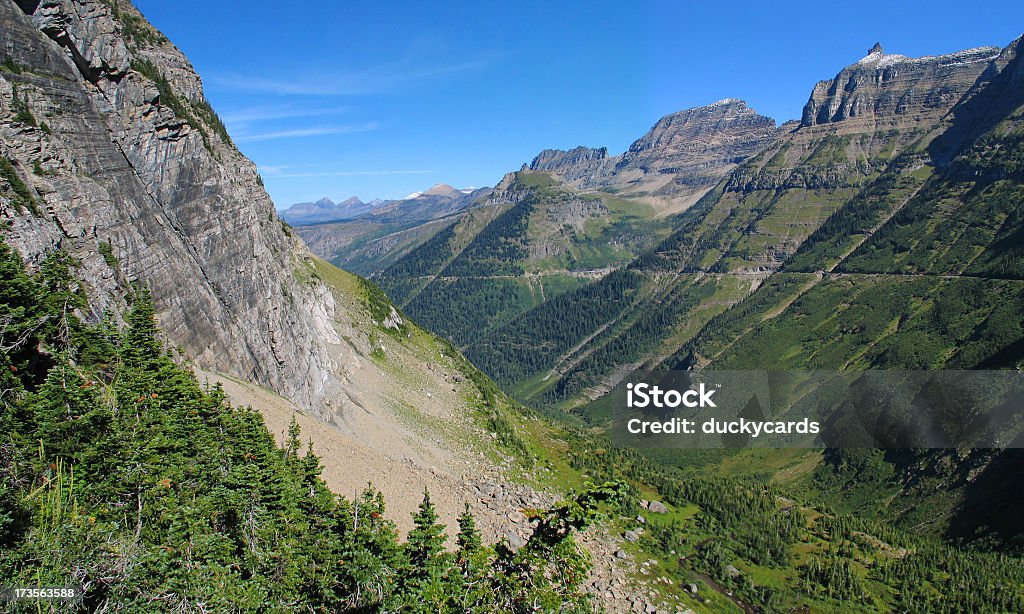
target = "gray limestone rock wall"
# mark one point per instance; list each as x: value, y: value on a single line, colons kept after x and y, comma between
x: 889, y: 86
x: 112, y: 158
x: 581, y: 163
x: 700, y: 144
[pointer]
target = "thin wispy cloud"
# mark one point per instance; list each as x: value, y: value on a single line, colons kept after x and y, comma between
x: 276, y: 112
x: 305, y: 132
x: 272, y: 169
x: 391, y: 77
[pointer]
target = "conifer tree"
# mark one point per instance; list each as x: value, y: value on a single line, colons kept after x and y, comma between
x: 426, y: 539
x: 141, y: 344
x: 468, y: 538
x: 68, y: 414
x: 428, y: 563
x: 472, y: 561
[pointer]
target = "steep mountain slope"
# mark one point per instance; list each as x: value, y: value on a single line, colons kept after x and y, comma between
x: 125, y: 478
x: 948, y: 257
x: 179, y: 501
x: 933, y: 281
x: 111, y: 155
x: 125, y: 166
x: 869, y: 152
x: 568, y: 218
x: 533, y: 239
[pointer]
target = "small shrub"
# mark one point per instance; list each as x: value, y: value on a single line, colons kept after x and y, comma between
x: 107, y: 251
x: 22, y: 198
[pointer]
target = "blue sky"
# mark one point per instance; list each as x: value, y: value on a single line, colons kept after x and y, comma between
x: 381, y: 99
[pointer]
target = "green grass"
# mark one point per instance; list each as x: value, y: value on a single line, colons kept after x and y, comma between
x: 831, y: 150
x: 536, y: 179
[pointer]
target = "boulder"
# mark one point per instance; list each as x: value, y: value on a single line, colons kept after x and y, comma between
x: 657, y: 507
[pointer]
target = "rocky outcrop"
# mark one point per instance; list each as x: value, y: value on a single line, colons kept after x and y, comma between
x: 580, y: 163
x: 133, y: 174
x: 679, y: 159
x: 700, y: 145
x: 896, y: 89
x: 992, y: 98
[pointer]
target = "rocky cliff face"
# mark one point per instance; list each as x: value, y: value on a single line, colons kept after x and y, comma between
x: 700, y: 145
x: 125, y: 166
x: 578, y: 164
x: 677, y: 161
x: 896, y: 89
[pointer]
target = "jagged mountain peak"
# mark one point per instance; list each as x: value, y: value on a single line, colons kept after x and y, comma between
x: 725, y: 104
x: 550, y: 159
x: 896, y: 89
x: 682, y: 155
x: 879, y: 59
x: 726, y: 117
x: 699, y: 145
x: 324, y: 210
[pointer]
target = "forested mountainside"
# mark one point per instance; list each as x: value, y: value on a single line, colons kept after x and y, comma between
x: 834, y: 195
x: 533, y: 240
x: 111, y: 155
x: 122, y: 475
x: 124, y: 204
x: 883, y: 230
x: 910, y: 274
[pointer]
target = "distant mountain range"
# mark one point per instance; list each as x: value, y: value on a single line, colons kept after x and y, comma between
x: 369, y: 240
x: 417, y: 205
x: 326, y: 210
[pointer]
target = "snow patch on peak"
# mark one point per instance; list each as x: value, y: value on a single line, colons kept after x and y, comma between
x: 880, y: 59
x: 894, y: 58
x: 872, y: 57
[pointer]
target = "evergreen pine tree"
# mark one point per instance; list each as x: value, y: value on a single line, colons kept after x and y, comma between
x: 426, y: 539
x: 141, y: 343
x: 468, y: 538
x: 428, y: 565
x: 473, y: 594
